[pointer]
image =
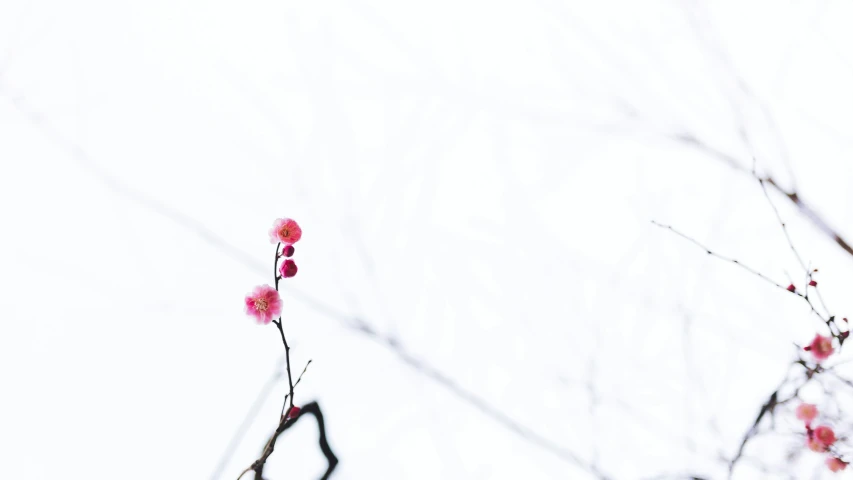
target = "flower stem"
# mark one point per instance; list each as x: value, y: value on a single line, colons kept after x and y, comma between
x: 281, y: 330
x: 275, y: 266
x: 287, y: 360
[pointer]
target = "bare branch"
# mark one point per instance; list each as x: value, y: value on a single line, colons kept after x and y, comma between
x: 312, y: 408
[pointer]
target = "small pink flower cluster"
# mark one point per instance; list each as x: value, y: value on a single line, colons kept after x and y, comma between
x: 822, y: 347
x: 821, y: 438
x: 264, y: 303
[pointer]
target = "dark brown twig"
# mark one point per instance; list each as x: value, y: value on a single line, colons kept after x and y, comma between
x: 287, y: 419
x: 281, y: 330
x: 295, y: 384
x: 287, y: 360
x: 312, y: 408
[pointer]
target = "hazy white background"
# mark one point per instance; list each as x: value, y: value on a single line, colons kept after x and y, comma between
x: 474, y: 180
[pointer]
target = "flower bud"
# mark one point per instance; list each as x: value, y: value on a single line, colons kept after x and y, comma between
x: 294, y: 412
x: 287, y: 268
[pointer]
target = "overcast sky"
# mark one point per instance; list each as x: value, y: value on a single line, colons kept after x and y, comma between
x: 475, y: 182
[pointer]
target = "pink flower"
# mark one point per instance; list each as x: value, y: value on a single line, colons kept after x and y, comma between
x: 835, y: 464
x: 824, y: 436
x: 815, y: 445
x: 806, y: 412
x: 287, y: 268
x: 821, y: 348
x: 286, y: 231
x: 264, y: 304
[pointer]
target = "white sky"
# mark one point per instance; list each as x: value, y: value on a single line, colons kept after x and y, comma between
x: 474, y: 179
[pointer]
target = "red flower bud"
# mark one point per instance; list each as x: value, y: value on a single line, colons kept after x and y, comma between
x: 287, y: 268
x: 812, y: 283
x: 294, y: 412
x: 791, y: 287
x: 844, y: 334
x: 288, y: 251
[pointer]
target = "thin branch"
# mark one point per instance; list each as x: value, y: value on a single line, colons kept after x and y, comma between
x: 275, y: 266
x: 812, y: 215
x: 726, y: 259
x: 295, y: 385
x: 281, y: 331
x: 761, y: 182
x: 751, y: 270
x: 794, y: 196
x: 807, y: 269
x: 287, y: 359
x: 525, y: 433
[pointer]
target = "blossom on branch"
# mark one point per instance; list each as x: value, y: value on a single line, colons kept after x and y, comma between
x: 285, y: 231
x: 264, y: 303
x: 821, y: 347
x: 806, y: 412
x: 820, y: 439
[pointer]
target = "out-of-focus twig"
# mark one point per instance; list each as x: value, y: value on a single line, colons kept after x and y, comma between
x: 793, y: 196
x: 312, y: 408
x: 247, y: 421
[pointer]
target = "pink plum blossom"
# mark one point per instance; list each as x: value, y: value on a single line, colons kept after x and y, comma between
x: 264, y: 303
x: 806, y: 412
x: 835, y: 464
x: 820, y: 439
x: 821, y: 347
x: 285, y: 231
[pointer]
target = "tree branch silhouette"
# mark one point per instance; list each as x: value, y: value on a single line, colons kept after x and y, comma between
x: 312, y: 408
